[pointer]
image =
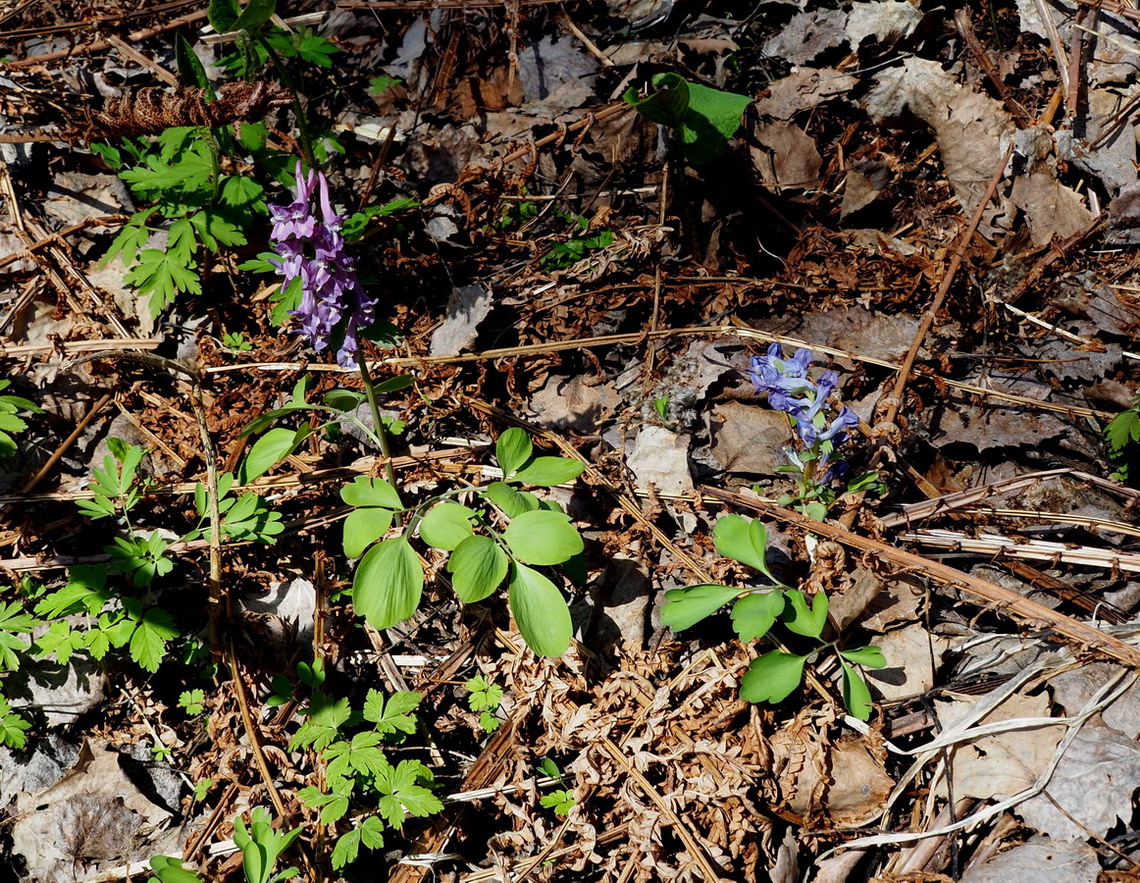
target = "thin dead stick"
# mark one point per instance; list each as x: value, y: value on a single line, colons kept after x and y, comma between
x: 991, y: 593
x: 895, y: 400
x: 67, y: 443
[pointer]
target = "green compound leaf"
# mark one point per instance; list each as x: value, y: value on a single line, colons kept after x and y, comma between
x: 772, y: 677
x: 477, y: 567
x: 688, y: 606
x: 1124, y: 429
x: 755, y: 614
x: 540, y: 611
x: 745, y: 540
x: 396, y: 715
x: 856, y: 695
x: 543, y: 537
x: 549, y: 471
x: 869, y: 657
x: 512, y: 502
x: 446, y: 525
x: 512, y: 450
x: 363, y: 527
x: 371, y: 492
x: 148, y: 642
x: 804, y: 620
x: 388, y: 583
x: 161, y: 275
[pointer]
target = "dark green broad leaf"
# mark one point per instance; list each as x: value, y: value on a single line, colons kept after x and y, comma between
x: 755, y: 614
x: 512, y: 450
x: 773, y: 677
x: 371, y: 492
x: 222, y: 15
x: 388, y: 583
x: 513, y: 502
x: 746, y: 540
x: 225, y: 15
x: 190, y: 69
x: 856, y: 695
x: 394, y: 384
x: 540, y: 611
x: 343, y: 399
x: 802, y: 619
x: 704, y: 118
x: 868, y: 657
x: 477, y: 567
x: 271, y: 449
x: 446, y: 525
x: 688, y: 606
x: 549, y: 471
x: 543, y: 537
x: 363, y: 527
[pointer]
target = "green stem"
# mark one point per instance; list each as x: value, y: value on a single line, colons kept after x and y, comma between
x: 381, y: 432
x: 302, y: 118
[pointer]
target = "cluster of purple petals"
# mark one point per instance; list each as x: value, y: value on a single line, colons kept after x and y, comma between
x: 791, y: 389
x: 309, y: 247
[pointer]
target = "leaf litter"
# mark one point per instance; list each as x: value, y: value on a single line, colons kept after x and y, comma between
x: 872, y: 135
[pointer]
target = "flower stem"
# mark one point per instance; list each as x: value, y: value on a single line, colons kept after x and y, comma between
x: 381, y: 432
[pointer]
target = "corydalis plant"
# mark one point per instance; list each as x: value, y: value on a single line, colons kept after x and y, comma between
x: 311, y: 254
x: 821, y: 426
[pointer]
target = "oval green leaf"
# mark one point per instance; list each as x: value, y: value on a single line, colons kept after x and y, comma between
x: 688, y: 606
x: 477, y: 567
x: 512, y: 450
x: 543, y: 537
x: 512, y: 502
x: 744, y: 539
x: 549, y: 471
x: 388, y: 582
x: 446, y: 525
x: 801, y: 619
x: 869, y: 657
x: 268, y: 451
x: 753, y: 615
x: 363, y: 527
x: 772, y: 677
x: 540, y: 612
x: 371, y: 492
x: 856, y: 695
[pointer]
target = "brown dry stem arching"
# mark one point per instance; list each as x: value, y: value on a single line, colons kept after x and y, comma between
x: 153, y: 110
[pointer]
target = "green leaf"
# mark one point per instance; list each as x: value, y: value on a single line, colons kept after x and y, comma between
x: 332, y: 806
x: 222, y: 15
x: 512, y: 450
x: 323, y: 725
x: 477, y: 567
x: 513, y: 502
x: 868, y: 657
x: 371, y: 492
x: 543, y: 537
x: 549, y: 471
x: 215, y: 230
x: 402, y: 796
x: 1124, y: 429
x: 12, y: 727
x: 388, y: 582
x: 394, y: 384
x: 483, y: 696
x: 363, y: 527
x: 540, y: 611
x: 755, y: 614
x: 130, y: 239
x: 688, y: 606
x: 171, y: 870
x: 269, y: 450
x: 162, y: 275
x: 856, y: 695
x: 446, y: 525
x: 801, y: 619
x: 668, y: 105
x: 561, y: 801
x: 745, y: 540
x: 772, y: 677
x: 343, y: 399
x: 190, y: 69
x: 243, y: 193
x: 395, y: 715
x: 148, y: 642
x: 711, y: 120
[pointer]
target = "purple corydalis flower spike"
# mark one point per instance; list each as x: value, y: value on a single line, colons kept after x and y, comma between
x: 310, y: 248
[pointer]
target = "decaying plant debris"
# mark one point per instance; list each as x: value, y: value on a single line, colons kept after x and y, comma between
x: 940, y: 203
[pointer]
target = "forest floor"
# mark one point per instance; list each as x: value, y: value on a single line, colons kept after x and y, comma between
x: 477, y: 628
